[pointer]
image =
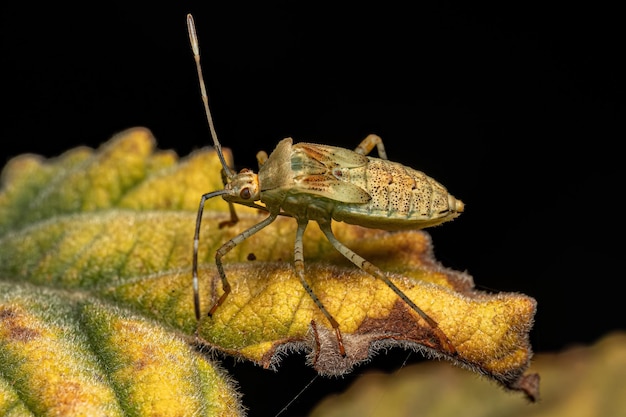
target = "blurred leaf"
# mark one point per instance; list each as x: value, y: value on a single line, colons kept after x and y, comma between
x: 73, y: 228
x: 581, y: 381
x: 95, y: 255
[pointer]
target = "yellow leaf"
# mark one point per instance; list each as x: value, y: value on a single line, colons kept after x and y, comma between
x: 268, y: 311
x: 95, y: 258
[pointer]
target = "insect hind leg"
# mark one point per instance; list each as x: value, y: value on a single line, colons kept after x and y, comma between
x: 371, y: 141
x: 373, y: 270
x: 299, y: 267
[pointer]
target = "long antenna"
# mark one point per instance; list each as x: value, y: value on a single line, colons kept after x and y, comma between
x: 193, y: 39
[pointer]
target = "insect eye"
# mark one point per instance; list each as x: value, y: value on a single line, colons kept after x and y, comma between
x: 245, y: 193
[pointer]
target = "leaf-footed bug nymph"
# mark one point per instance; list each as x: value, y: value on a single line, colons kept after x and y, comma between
x: 322, y: 183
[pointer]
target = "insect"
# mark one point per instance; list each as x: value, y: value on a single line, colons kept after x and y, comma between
x: 312, y: 182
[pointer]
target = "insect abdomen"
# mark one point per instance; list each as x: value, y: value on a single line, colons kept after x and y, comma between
x: 401, y: 197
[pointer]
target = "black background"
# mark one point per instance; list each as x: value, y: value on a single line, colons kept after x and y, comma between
x: 517, y: 109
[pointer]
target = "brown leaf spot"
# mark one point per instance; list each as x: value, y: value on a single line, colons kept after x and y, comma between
x: 399, y: 322
x: 148, y: 357
x: 68, y: 397
x: 399, y: 325
x: 6, y: 313
x: 529, y: 385
x: 12, y: 321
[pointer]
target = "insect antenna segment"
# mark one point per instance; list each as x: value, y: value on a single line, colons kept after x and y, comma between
x: 193, y: 39
x: 227, y: 173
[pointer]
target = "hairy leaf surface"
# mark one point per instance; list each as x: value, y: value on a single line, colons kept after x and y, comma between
x: 95, y: 283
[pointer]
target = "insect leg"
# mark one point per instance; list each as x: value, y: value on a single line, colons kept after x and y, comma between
x: 377, y: 273
x: 261, y: 157
x: 196, y: 243
x: 226, y: 247
x: 366, y: 146
x: 231, y: 207
x: 299, y: 266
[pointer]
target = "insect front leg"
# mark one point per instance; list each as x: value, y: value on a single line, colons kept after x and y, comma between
x: 225, y: 248
x: 377, y: 273
x: 196, y: 243
x: 231, y: 207
x: 366, y: 146
x: 299, y: 267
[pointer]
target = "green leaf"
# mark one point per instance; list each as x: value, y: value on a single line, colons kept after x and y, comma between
x: 95, y: 280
